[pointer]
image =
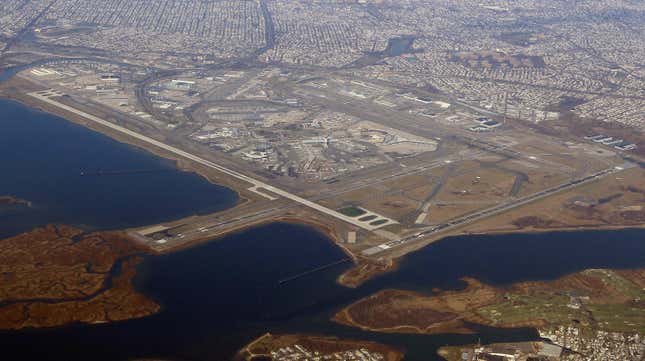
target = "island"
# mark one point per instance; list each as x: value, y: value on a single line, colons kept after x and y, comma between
x: 11, y: 200
x: 387, y: 125
x: 520, y: 351
x: 57, y: 275
x: 604, y: 203
x: 594, y: 299
x: 578, y: 346
x: 383, y: 168
x: 271, y: 347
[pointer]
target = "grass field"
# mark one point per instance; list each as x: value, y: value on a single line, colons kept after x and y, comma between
x: 367, y: 218
x: 352, y: 211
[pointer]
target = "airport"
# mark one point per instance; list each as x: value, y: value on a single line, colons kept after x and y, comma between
x: 304, y: 145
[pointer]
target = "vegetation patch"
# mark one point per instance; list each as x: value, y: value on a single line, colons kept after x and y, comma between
x: 352, y: 211
x: 379, y: 222
x: 368, y: 218
x: 597, y: 299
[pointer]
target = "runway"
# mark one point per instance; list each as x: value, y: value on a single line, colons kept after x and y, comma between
x: 255, y: 185
x: 469, y: 218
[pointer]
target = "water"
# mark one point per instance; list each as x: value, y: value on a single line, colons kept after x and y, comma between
x: 41, y: 160
x: 395, y: 47
x: 399, y: 46
x: 8, y: 73
x: 218, y: 296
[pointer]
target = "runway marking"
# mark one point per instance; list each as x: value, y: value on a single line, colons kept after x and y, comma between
x: 44, y: 96
x: 255, y: 190
x: 500, y: 208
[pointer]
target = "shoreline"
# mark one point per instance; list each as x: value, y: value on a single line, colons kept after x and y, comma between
x: 393, y: 262
x: 458, y: 325
x: 481, y: 304
x: 319, y: 226
x: 342, y: 316
x: 94, y: 270
x: 179, y: 163
x: 364, y: 269
x: 244, y: 197
x: 267, y: 343
x: 12, y: 201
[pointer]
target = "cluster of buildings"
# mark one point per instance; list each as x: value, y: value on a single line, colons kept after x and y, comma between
x: 625, y: 110
x: 586, y: 345
x: 104, y: 83
x: 566, y: 344
x: 586, y: 56
x: 198, y: 31
x: 16, y: 14
x: 323, y: 33
x: 520, y: 70
x: 608, y: 141
x: 287, y: 141
x: 485, y: 125
x: 300, y: 353
x: 515, y: 351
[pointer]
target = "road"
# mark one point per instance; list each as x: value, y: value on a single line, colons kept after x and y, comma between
x: 16, y: 38
x: 269, y: 29
x: 256, y: 185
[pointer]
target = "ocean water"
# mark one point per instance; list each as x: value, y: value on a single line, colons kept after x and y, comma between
x: 53, y: 164
x: 220, y: 295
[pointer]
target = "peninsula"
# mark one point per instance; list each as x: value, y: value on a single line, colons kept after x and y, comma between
x: 57, y: 275
x: 596, y: 299
x: 290, y: 347
x: 389, y: 125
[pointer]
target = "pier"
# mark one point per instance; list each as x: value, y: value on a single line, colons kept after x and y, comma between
x: 122, y: 172
x: 313, y: 270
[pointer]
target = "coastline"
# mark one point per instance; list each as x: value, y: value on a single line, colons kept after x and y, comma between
x: 180, y: 164
x: 142, y: 304
x: 583, y: 297
x: 442, y: 320
x: 320, y: 226
x: 58, y: 275
x: 364, y: 268
x: 244, y: 196
x: 11, y: 201
x: 391, y: 264
x: 263, y: 346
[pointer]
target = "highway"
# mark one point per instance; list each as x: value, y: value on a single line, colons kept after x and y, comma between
x: 255, y: 184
